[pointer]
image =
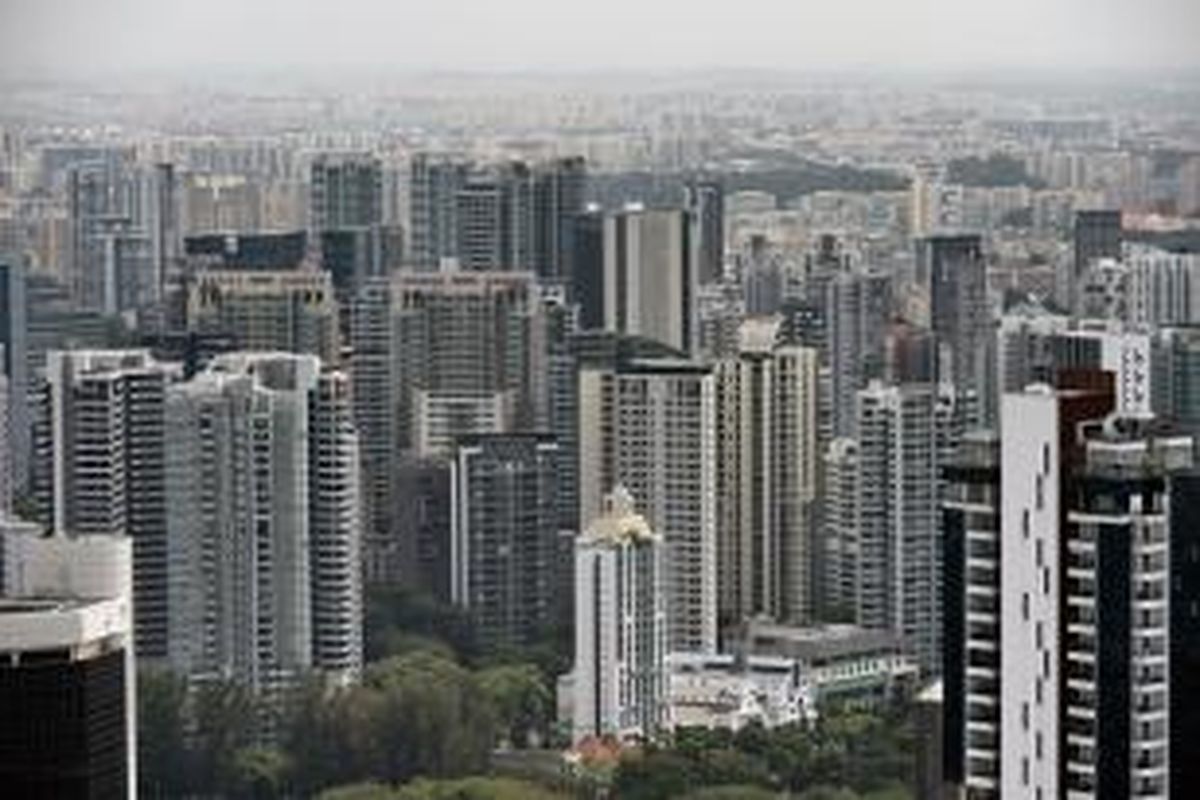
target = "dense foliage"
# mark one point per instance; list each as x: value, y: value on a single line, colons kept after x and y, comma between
x: 844, y: 756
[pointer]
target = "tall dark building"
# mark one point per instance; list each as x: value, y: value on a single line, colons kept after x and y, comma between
x: 346, y: 191
x: 559, y: 190
x: 587, y: 279
x: 434, y: 182
x: 14, y: 343
x: 706, y: 202
x: 504, y: 536
x: 67, y: 682
x: 1097, y: 234
x: 953, y: 272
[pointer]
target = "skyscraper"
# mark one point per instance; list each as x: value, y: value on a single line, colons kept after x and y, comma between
x: 1072, y: 625
x: 345, y: 191
x: 619, y: 679
x: 13, y: 363
x: 504, y: 536
x: 767, y: 464
x: 100, y: 465
x: 705, y: 202
x: 650, y: 425
x: 438, y: 354
x: 859, y: 308
x: 953, y: 274
x: 434, y: 182
x: 885, y: 524
x: 650, y: 276
x: 263, y: 534
x: 67, y: 678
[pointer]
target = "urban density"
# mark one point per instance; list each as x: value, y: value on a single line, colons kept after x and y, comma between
x: 640, y: 433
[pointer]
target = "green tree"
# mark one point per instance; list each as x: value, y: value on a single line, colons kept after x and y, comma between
x: 225, y: 719
x: 654, y: 775
x: 733, y: 792
x: 521, y: 699
x: 260, y: 773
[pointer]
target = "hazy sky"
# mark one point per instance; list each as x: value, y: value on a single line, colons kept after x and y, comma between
x: 90, y: 37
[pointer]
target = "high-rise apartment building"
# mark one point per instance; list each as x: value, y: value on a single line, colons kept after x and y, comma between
x: 1071, y: 615
x: 99, y: 465
x: 67, y: 677
x: 650, y: 425
x: 345, y: 191
x: 619, y: 682
x: 508, y: 216
x: 766, y: 475
x: 883, y: 519
x: 294, y: 312
x: 14, y: 365
x: 263, y: 532
x: 859, y: 309
x: 504, y: 535
x: 649, y: 276
x: 438, y: 354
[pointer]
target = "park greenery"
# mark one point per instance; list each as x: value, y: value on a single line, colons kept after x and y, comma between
x: 434, y: 719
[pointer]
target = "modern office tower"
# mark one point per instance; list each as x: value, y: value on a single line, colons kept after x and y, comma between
x: 587, y: 275
x: 434, y: 343
x: 952, y: 272
x: 859, y: 307
x: 434, y: 182
x: 14, y: 365
x: 1097, y: 234
x: 262, y: 534
x: 215, y: 202
x: 67, y: 677
x: 559, y: 190
x: 620, y: 624
x: 761, y: 268
x: 123, y: 264
x: 335, y: 529
x: 345, y: 191
x: 504, y: 536
x: 705, y: 202
x: 248, y: 252
x: 99, y: 465
x: 766, y: 477
x: 562, y: 326
x: 650, y: 425
x: 971, y: 654
x: 289, y: 311
x: 649, y: 276
x: 891, y: 548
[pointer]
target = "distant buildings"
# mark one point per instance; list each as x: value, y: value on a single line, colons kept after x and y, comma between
x: 619, y: 681
x: 14, y: 364
x: 67, y: 676
x: 345, y: 191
